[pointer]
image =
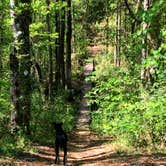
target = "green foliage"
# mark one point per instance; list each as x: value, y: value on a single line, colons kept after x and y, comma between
x: 127, y: 111
x: 80, y: 34
x: 5, y: 106
x: 159, y: 60
x: 43, y: 112
x: 11, y: 145
x: 43, y: 116
x: 81, y: 42
x: 96, y: 10
x: 124, y: 109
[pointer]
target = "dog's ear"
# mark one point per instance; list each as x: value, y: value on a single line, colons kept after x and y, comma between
x: 57, y: 125
x: 61, y: 123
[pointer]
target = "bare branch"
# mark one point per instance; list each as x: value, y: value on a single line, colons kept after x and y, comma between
x: 131, y: 12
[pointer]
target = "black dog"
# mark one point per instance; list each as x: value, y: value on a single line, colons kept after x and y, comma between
x: 60, y: 142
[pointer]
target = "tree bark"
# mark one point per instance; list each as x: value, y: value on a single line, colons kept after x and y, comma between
x: 131, y: 12
x: 61, y: 51
x: 48, y: 27
x: 15, y: 93
x: 1, y: 50
x: 68, y: 45
x: 144, y: 45
x: 20, y: 68
x: 107, y: 28
x: 117, y: 36
x: 136, y: 20
x: 57, y: 48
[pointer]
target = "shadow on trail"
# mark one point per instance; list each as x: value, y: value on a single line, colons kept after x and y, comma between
x: 82, y: 141
x: 97, y: 152
x: 45, y: 156
x: 94, y: 154
x: 115, y: 159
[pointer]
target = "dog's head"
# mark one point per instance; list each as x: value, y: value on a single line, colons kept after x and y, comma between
x: 58, y: 126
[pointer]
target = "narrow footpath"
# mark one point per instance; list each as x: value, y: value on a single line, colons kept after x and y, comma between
x: 83, y: 145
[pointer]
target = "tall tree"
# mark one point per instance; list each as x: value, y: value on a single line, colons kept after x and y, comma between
x: 48, y: 27
x: 107, y: 26
x: 68, y: 45
x: 57, y: 47
x: 60, y: 59
x: 133, y: 15
x: 61, y: 49
x: 144, y: 43
x: 1, y: 51
x: 20, y: 64
x: 117, y: 34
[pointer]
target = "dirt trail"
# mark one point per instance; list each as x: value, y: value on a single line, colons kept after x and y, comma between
x: 82, y: 147
x: 85, y: 148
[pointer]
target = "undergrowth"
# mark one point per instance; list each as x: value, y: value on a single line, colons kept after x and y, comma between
x: 126, y: 111
x: 43, y: 114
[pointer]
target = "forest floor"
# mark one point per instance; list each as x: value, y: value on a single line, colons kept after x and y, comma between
x: 85, y: 148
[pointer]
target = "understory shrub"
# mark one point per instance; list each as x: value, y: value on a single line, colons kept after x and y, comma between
x: 125, y: 110
x: 57, y: 110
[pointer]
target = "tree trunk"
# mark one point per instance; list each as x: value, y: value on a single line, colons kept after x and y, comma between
x: 155, y: 27
x: 144, y: 44
x: 125, y: 24
x: 14, y: 76
x: 60, y: 61
x: 61, y: 51
x: 1, y: 50
x: 20, y: 69
x: 135, y: 20
x: 107, y: 28
x: 68, y: 45
x: 117, y: 36
x: 48, y: 27
x: 57, y: 48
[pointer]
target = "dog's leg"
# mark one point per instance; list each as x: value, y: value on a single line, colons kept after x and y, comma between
x: 57, y: 154
x: 65, y: 156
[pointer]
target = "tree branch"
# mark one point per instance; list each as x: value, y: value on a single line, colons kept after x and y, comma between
x: 131, y: 12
